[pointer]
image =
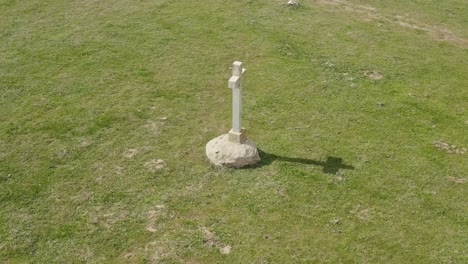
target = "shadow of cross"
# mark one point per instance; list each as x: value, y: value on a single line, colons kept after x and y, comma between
x: 334, y: 164
x: 331, y: 166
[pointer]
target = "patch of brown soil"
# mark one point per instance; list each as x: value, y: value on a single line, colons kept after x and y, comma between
x: 373, y: 74
x: 210, y: 240
x: 449, y: 148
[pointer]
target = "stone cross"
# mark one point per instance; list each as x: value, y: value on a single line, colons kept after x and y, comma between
x: 237, y: 133
x: 234, y: 150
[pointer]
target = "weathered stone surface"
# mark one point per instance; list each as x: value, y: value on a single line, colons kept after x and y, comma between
x: 222, y: 152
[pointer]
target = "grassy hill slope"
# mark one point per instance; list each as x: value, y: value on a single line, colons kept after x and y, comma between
x: 357, y: 106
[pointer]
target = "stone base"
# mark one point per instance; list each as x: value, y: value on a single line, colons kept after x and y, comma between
x: 222, y: 152
x: 237, y: 137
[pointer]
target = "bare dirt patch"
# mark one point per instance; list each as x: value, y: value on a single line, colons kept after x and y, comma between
x: 155, y: 165
x: 373, y: 74
x: 449, y: 148
x: 129, y: 153
x: 85, y: 143
x: 210, y: 240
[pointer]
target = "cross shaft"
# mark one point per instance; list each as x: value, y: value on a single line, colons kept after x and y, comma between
x: 237, y: 133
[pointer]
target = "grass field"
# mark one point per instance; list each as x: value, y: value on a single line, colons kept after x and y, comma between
x: 358, y: 108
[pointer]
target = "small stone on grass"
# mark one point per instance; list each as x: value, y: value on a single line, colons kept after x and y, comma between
x: 293, y: 3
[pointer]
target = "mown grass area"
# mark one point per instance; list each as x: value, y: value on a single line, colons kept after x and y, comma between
x: 358, y: 108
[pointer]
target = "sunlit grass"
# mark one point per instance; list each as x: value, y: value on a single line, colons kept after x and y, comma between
x: 358, y: 109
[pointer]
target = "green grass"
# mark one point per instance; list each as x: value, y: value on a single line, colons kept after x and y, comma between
x: 92, y: 91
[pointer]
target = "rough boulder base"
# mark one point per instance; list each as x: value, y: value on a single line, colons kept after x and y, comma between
x: 221, y: 152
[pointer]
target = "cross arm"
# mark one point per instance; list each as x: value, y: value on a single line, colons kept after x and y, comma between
x: 234, y: 82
